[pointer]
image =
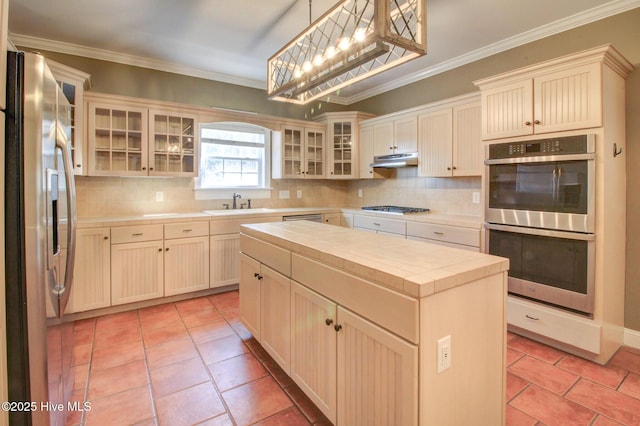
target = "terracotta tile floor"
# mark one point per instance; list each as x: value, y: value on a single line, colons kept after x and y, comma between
x: 192, y: 362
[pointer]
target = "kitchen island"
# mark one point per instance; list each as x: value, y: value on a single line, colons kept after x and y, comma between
x: 376, y: 329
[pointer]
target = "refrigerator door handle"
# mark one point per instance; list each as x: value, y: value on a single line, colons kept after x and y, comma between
x: 63, y: 144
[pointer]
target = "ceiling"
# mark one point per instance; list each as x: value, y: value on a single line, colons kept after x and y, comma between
x: 230, y: 41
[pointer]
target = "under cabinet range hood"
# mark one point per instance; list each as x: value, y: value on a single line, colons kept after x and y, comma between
x: 395, y: 160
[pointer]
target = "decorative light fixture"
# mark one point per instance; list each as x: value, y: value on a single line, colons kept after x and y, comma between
x: 352, y: 41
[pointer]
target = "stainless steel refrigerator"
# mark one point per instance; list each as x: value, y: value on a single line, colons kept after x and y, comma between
x: 39, y: 241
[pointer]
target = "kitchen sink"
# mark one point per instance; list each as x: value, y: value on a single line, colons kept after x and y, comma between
x: 224, y: 212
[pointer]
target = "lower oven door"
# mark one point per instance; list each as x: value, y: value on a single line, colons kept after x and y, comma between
x: 554, y: 267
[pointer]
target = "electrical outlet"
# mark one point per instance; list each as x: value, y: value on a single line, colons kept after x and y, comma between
x: 284, y: 194
x: 159, y: 196
x: 444, y: 353
x: 360, y: 193
x: 475, y: 198
x: 299, y: 193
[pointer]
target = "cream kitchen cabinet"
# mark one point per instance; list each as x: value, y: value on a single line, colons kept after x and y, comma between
x: 224, y: 249
x: 548, y: 100
x: 332, y: 218
x: 137, y: 263
x: 266, y: 286
x: 329, y: 358
x: 449, y: 139
x: 299, y: 153
x: 448, y: 235
x: 395, y: 134
x: 117, y: 140
x: 173, y: 144
x: 73, y: 84
x: 91, y: 275
x: 186, y: 257
x: 128, y: 139
x: 380, y: 225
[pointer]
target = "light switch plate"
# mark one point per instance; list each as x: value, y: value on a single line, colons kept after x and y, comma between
x: 444, y: 353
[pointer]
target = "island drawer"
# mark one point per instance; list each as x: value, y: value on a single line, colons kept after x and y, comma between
x: 393, y: 311
x: 268, y: 254
x: 444, y: 233
x: 185, y: 230
x: 232, y: 226
x: 136, y: 233
x: 380, y: 224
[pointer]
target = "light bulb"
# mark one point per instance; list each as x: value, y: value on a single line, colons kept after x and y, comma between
x: 306, y: 67
x: 344, y: 43
x: 331, y: 52
x: 317, y: 60
x: 359, y: 34
x: 297, y: 73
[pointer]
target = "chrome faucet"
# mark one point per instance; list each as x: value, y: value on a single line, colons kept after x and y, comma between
x: 235, y: 197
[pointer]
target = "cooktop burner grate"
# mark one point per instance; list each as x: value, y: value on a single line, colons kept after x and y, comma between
x: 395, y: 209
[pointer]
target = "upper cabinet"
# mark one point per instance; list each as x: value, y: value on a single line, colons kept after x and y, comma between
x: 558, y: 95
x: 394, y: 134
x: 343, y: 144
x: 449, y: 139
x: 73, y: 84
x: 299, y: 153
x: 129, y: 139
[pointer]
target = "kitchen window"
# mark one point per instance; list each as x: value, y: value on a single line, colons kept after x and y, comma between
x: 233, y: 156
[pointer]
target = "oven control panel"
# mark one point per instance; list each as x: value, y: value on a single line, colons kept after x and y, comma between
x: 580, y: 144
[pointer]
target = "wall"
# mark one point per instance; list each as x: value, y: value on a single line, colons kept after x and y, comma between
x: 621, y: 30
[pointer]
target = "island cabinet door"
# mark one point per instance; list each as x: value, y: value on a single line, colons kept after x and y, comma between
x: 250, y: 294
x: 313, y: 347
x: 275, y: 316
x: 377, y: 374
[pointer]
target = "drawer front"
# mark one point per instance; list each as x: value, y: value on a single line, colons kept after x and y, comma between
x: 268, y: 254
x: 186, y: 230
x: 232, y: 226
x: 137, y: 233
x: 558, y: 325
x: 393, y: 311
x: 445, y: 233
x: 380, y: 224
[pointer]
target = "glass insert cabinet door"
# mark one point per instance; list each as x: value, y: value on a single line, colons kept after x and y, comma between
x: 292, y: 151
x: 315, y: 154
x: 342, y: 150
x: 117, y: 140
x: 173, y: 147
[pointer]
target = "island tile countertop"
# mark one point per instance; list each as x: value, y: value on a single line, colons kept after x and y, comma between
x: 415, y: 268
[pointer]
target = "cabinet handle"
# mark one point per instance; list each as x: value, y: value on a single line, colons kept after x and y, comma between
x: 337, y: 327
x: 527, y: 123
x: 78, y: 165
x: 137, y: 234
x: 187, y: 230
x: 438, y: 232
x: 328, y: 321
x: 260, y: 277
x: 536, y: 121
x: 532, y: 318
x: 256, y: 275
x: 376, y: 223
x: 105, y: 237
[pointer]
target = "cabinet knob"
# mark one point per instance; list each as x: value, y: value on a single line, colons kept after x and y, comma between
x: 527, y: 123
x: 390, y: 147
x: 150, y: 168
x: 328, y: 321
x: 448, y: 168
x: 78, y: 165
x: 256, y: 275
x: 160, y: 249
x: 455, y: 168
x: 536, y: 122
x: 260, y: 277
x: 337, y: 327
x: 105, y: 237
x: 144, y: 168
x: 167, y: 249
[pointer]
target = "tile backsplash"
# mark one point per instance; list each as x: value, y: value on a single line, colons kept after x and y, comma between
x: 114, y: 196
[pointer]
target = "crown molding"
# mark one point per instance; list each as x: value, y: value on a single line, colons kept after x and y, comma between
x: 595, y: 14
x: 121, y: 58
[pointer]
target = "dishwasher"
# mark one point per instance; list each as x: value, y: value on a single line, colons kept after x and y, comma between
x: 317, y: 217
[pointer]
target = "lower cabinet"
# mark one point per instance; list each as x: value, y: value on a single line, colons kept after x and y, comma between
x: 223, y: 255
x: 91, y: 275
x: 186, y: 265
x: 137, y: 271
x: 338, y: 357
x: 250, y: 295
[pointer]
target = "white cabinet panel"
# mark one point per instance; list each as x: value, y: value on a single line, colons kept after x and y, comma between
x: 436, y: 136
x: 91, y: 275
x: 250, y: 295
x: 224, y: 260
x: 377, y: 374
x: 136, y: 271
x: 275, y: 316
x: 186, y: 265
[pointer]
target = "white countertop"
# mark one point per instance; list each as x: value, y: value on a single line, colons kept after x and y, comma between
x: 438, y: 218
x: 415, y: 268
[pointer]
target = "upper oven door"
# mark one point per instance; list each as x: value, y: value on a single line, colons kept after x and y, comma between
x: 542, y: 191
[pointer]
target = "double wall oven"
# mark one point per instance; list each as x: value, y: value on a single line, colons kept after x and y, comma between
x: 539, y: 213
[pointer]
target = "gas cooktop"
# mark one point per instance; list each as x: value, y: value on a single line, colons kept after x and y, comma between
x: 395, y: 209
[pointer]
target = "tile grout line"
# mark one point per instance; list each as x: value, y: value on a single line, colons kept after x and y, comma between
x: 154, y: 409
